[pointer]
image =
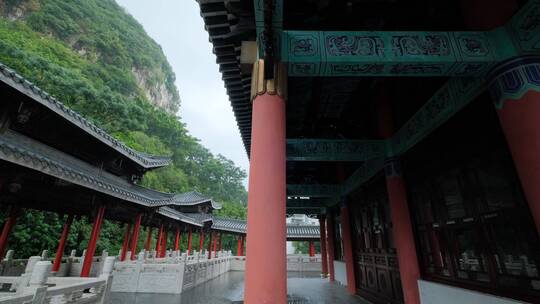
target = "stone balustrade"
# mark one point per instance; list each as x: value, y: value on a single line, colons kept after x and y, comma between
x: 37, y: 286
x: 170, y: 275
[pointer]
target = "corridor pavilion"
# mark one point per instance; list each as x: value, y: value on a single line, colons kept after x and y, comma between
x: 43, y: 168
x: 409, y: 127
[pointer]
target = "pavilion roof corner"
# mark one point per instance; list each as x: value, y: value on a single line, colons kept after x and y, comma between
x: 24, y: 86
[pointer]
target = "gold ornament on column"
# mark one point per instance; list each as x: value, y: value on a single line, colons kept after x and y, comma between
x: 275, y: 86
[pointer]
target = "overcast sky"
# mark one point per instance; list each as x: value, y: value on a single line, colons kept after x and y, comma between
x: 178, y: 27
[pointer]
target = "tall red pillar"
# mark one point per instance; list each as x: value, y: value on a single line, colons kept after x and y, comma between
x: 214, y: 246
x: 330, y: 241
x: 347, y: 247
x: 13, y: 213
x: 324, y: 257
x: 125, y: 243
x: 201, y: 241
x: 177, y: 239
x: 163, y: 247
x: 148, y: 238
x: 311, y: 249
x: 62, y: 243
x: 515, y: 87
x: 239, y: 246
x: 399, y: 210
x: 266, y: 276
x: 94, y: 236
x: 210, y: 240
x: 135, y: 236
x: 190, y: 237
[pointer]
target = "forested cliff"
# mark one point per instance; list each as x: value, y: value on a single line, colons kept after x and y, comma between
x: 97, y: 59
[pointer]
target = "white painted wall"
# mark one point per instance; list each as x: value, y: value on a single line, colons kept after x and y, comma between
x: 435, y: 293
x: 340, y: 272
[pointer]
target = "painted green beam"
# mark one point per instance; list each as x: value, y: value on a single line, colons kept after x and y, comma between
x: 394, y: 53
x: 334, y: 150
x: 313, y: 190
x: 329, y: 53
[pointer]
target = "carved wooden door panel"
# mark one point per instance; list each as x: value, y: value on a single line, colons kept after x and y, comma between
x: 375, y: 260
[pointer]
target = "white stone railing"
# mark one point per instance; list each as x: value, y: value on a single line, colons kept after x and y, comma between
x: 303, y: 263
x: 36, y: 286
x: 170, y: 275
x: 71, y: 265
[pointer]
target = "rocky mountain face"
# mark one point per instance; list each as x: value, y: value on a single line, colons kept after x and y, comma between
x: 104, y: 33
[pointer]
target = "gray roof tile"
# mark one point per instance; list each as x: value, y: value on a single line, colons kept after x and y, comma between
x: 24, y: 86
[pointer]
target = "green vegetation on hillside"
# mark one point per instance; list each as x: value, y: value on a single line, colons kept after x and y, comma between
x: 84, y: 53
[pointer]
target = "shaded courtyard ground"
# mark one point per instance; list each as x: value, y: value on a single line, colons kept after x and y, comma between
x: 229, y: 288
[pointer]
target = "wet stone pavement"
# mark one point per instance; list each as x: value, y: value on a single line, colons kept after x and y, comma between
x: 229, y: 289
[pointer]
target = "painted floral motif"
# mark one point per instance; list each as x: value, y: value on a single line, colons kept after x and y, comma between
x: 344, y: 45
x: 304, y: 46
x: 473, y: 47
x: 420, y: 45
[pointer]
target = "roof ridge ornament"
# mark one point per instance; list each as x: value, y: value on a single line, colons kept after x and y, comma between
x: 275, y: 86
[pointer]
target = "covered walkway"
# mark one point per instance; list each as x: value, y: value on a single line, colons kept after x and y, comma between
x: 229, y: 288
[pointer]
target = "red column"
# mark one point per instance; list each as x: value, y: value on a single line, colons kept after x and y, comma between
x: 13, y: 213
x: 158, y: 240
x: 518, y: 108
x: 148, y: 238
x: 266, y: 276
x: 330, y: 235
x: 135, y: 236
x: 311, y: 249
x: 91, y: 249
x: 209, y: 249
x: 347, y: 248
x: 62, y: 244
x: 190, y: 236
x: 163, y: 248
x: 239, y: 246
x: 324, y: 257
x: 125, y: 243
x: 201, y: 241
x: 403, y: 238
x: 215, y: 244
x: 399, y: 211
x: 177, y: 239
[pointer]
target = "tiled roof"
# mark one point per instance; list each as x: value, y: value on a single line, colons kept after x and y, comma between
x: 24, y: 86
x: 293, y: 231
x: 21, y: 150
x: 179, y: 216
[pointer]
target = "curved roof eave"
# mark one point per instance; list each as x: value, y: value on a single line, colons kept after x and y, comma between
x: 177, y: 215
x: 19, y: 83
x: 26, y: 152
